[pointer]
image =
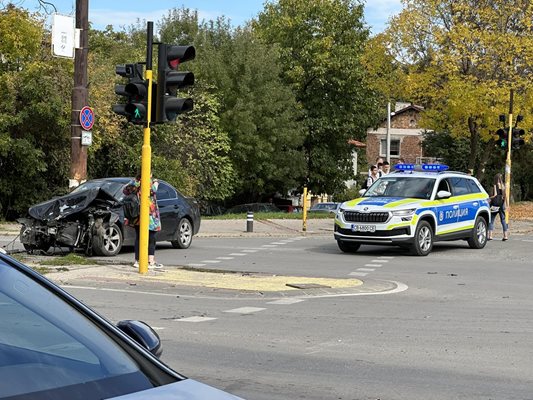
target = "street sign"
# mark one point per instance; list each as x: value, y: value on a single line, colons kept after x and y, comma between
x: 63, y: 36
x: 87, y: 118
x: 86, y: 138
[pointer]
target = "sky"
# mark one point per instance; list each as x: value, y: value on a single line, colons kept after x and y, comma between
x: 112, y: 12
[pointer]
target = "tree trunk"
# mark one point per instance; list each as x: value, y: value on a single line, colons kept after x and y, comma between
x: 474, y: 143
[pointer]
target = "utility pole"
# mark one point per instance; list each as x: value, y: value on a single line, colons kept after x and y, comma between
x: 80, y: 94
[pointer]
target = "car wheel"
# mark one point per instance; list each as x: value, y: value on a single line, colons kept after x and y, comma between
x: 184, y: 235
x: 348, y: 247
x: 478, y: 240
x: 423, y: 239
x: 110, y: 242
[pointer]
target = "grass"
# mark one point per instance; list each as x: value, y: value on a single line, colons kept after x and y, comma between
x: 271, y: 215
x: 69, y: 259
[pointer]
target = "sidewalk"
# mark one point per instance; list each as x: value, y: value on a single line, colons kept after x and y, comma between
x: 262, y: 228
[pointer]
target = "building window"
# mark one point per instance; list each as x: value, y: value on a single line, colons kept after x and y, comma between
x: 394, y: 148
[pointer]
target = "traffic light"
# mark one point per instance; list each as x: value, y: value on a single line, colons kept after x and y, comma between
x: 502, y: 137
x: 135, y: 92
x: 169, y: 80
x: 518, y: 140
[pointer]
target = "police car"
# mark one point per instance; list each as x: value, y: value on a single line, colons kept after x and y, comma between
x: 413, y: 207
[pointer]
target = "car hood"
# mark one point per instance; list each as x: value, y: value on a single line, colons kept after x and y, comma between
x: 387, y: 202
x: 72, y: 203
x: 187, y: 389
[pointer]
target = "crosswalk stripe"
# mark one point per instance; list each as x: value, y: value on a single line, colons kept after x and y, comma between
x: 285, y: 301
x: 245, y: 310
x: 194, y: 319
x: 358, y: 273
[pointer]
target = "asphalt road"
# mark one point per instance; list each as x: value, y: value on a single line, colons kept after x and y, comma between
x: 458, y: 326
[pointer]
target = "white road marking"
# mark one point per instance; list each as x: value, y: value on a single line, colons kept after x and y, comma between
x: 211, y: 261
x: 285, y: 301
x: 157, y: 328
x: 358, y: 273
x: 386, y: 257
x: 249, y: 251
x: 269, y: 245
x: 245, y: 310
x: 194, y: 319
x: 278, y: 243
x: 400, y: 287
x: 225, y: 258
x: 379, y: 261
x: 196, y: 265
x: 366, y: 269
x: 237, y: 254
x: 373, y: 265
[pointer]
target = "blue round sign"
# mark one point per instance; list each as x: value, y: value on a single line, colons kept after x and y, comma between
x: 87, y: 118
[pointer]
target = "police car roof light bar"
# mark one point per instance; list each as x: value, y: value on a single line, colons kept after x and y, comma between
x: 421, y: 167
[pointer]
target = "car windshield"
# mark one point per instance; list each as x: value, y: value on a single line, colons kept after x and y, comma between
x: 49, y: 349
x: 402, y: 186
x: 112, y: 187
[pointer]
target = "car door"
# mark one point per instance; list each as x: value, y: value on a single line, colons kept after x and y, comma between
x: 447, y: 210
x: 468, y: 204
x: 168, y: 209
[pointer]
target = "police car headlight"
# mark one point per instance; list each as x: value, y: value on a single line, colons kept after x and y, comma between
x: 404, y: 213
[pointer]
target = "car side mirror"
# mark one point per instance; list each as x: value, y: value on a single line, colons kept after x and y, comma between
x: 143, y: 334
x: 443, y: 194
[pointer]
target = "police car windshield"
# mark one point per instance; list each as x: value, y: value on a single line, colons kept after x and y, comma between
x: 402, y: 186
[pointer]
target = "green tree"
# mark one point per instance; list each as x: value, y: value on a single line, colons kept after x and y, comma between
x: 34, y: 116
x: 321, y: 44
x: 256, y: 110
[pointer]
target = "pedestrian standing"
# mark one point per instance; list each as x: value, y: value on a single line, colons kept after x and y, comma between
x: 385, y: 169
x: 498, y: 204
x: 154, y: 220
x: 374, y: 175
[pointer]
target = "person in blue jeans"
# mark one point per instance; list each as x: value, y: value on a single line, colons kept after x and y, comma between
x: 498, y: 201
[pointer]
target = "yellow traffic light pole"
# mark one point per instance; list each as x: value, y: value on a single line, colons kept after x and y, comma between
x: 508, y: 161
x: 146, y: 160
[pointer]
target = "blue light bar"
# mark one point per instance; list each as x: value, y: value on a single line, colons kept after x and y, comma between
x: 434, y: 167
x: 405, y: 167
x: 421, y: 167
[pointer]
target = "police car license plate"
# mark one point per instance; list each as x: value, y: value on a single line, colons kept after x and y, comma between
x: 363, y: 228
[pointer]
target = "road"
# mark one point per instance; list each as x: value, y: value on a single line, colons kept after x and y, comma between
x: 459, y: 325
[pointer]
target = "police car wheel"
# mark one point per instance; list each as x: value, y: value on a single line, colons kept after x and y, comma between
x: 423, y: 239
x: 478, y: 240
x: 348, y: 247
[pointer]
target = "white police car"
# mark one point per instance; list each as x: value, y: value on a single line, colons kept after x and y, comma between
x: 414, y: 207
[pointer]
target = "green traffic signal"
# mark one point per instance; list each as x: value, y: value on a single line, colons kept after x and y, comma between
x: 134, y: 92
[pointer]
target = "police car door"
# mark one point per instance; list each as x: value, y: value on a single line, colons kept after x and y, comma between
x: 447, y: 210
x: 467, y: 201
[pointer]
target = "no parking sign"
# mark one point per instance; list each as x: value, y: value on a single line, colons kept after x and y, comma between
x: 87, y: 118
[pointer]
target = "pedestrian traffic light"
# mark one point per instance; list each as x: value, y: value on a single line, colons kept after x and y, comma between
x: 502, y: 137
x: 518, y: 140
x: 169, y: 80
x: 135, y: 93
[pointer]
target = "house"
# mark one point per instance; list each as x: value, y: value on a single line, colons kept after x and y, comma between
x: 405, y: 136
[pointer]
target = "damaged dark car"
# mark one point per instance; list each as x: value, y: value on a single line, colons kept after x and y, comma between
x: 91, y: 219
